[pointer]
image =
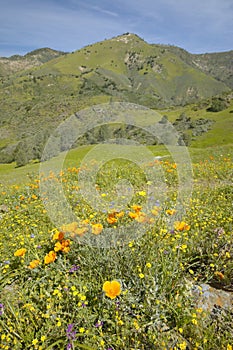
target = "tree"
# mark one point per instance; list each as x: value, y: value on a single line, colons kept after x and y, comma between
x: 52, y: 149
x: 184, y: 139
x: 21, y: 155
x: 164, y: 119
x: 218, y: 104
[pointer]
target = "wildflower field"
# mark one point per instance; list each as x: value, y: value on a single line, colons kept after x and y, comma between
x: 61, y: 289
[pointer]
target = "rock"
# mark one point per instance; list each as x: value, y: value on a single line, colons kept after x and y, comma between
x: 3, y: 208
x: 208, y: 298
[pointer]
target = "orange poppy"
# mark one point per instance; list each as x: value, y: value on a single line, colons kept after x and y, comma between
x: 34, y: 263
x: 181, y: 226
x: 97, y: 229
x: 136, y: 207
x: 50, y: 257
x: 20, y: 252
x: 58, y: 236
x: 111, y: 219
x: 112, y: 289
x: 170, y: 211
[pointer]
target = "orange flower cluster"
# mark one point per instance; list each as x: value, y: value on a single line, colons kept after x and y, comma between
x: 138, y: 215
x: 58, y: 235
x: 62, y: 244
x: 75, y: 229
x: 111, y: 219
x: 136, y: 208
x: 114, y: 216
x: 181, y: 226
x: 219, y: 274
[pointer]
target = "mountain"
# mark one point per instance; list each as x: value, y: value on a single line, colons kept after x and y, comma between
x: 219, y: 65
x: 44, y: 87
x: 131, y: 69
x: 13, y: 64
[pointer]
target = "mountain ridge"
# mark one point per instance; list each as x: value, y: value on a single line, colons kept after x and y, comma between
x: 152, y: 70
x: 202, y: 61
x: 16, y: 63
x: 125, y: 68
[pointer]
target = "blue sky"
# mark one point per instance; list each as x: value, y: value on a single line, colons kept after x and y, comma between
x: 196, y: 25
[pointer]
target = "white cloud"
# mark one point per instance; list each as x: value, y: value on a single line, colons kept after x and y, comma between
x: 102, y: 10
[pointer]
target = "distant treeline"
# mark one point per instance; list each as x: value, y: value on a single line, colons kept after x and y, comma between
x: 31, y: 149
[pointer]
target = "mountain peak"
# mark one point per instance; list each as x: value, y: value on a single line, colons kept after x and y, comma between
x: 127, y: 37
x: 43, y: 51
x: 15, y: 63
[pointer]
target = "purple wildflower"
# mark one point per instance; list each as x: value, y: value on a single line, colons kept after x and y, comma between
x: 1, y: 309
x: 99, y: 324
x: 117, y: 305
x: 70, y: 327
x: 219, y: 231
x: 70, y: 332
x: 74, y: 268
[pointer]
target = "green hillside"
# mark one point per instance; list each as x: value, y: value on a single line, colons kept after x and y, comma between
x: 35, y: 101
x: 220, y: 132
x: 133, y: 70
x: 219, y: 65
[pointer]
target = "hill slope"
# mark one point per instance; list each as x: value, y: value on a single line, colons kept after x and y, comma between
x: 124, y: 68
x: 32, y: 59
x: 219, y: 65
x: 128, y: 67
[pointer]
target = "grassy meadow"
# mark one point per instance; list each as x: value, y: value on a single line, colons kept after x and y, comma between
x: 103, y: 247
x: 60, y: 289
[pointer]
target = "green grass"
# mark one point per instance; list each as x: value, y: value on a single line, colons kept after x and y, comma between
x: 220, y: 130
x: 10, y: 174
x: 62, y: 302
